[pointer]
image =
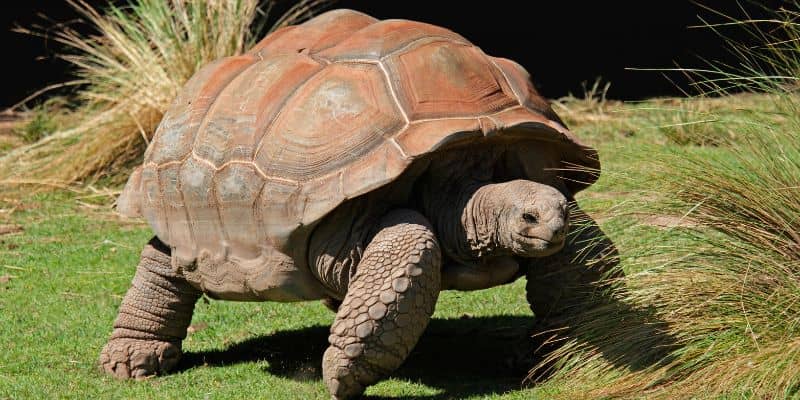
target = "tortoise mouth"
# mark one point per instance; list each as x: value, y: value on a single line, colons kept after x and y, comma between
x: 535, y: 246
x: 522, y: 235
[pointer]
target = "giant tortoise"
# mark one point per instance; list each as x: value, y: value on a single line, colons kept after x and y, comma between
x: 370, y: 164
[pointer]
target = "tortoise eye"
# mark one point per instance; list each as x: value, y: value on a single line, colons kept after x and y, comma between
x: 530, y: 218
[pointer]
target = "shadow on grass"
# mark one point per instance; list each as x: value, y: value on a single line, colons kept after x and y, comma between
x: 588, y: 310
x: 491, y: 355
x: 627, y: 337
x: 463, y: 357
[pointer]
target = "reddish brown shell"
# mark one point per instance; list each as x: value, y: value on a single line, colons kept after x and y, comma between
x: 260, y: 144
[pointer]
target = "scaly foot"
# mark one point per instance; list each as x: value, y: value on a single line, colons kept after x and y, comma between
x: 135, y: 358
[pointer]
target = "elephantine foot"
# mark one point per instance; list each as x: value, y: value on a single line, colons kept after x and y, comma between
x: 387, y: 305
x: 135, y: 358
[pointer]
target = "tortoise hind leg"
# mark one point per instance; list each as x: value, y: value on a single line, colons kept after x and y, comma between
x: 388, y: 304
x: 152, y: 319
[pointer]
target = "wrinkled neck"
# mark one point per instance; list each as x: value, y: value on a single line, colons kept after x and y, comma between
x: 482, y: 221
x: 466, y: 220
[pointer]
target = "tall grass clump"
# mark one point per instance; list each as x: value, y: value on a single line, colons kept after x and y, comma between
x: 129, y: 71
x: 712, y: 306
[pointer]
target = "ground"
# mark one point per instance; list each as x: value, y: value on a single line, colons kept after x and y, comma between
x: 66, y: 261
x: 63, y: 276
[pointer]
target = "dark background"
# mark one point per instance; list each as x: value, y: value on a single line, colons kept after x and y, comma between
x: 563, y: 44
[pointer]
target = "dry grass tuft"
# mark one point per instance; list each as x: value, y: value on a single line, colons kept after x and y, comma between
x: 714, y: 309
x: 129, y: 72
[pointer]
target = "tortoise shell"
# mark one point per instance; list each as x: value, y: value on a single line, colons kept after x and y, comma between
x: 259, y: 145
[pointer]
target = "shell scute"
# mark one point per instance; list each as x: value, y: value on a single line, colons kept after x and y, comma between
x: 237, y: 187
x: 178, y: 222
x: 197, y: 185
x: 153, y: 202
x: 317, y: 34
x: 279, y: 209
x: 245, y: 108
x: 341, y: 114
x: 421, y: 138
x: 386, y: 37
x: 377, y: 167
x: 320, y: 196
x: 522, y: 86
x: 175, y: 135
x: 445, y: 80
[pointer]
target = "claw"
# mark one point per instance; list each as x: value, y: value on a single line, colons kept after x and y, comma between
x: 138, y: 359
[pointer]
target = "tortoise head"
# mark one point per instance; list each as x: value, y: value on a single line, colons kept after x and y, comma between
x: 520, y: 217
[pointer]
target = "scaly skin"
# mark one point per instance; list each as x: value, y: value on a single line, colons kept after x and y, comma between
x: 388, y: 304
x: 152, y: 319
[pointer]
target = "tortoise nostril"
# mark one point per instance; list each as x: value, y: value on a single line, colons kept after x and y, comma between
x: 560, y: 235
x: 530, y: 218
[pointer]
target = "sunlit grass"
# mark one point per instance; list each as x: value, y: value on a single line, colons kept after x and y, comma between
x: 701, y: 196
x: 712, y: 308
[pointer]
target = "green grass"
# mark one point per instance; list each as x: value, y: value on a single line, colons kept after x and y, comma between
x: 699, y: 195
x: 74, y: 261
x: 709, y: 308
x: 72, y: 264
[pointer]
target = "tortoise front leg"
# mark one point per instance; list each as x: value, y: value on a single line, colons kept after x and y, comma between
x: 388, y: 304
x: 152, y: 319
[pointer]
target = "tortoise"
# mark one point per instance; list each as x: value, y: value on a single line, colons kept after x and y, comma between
x: 369, y: 164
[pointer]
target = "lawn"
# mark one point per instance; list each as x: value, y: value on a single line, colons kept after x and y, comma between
x: 67, y: 260
x: 699, y: 195
x: 64, y: 277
